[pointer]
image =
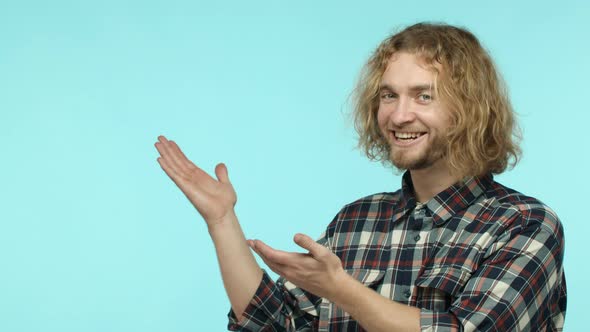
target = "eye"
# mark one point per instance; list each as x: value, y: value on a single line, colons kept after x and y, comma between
x: 425, y: 97
x: 387, y: 95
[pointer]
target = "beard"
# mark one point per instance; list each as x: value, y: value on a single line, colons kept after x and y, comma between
x: 407, y: 159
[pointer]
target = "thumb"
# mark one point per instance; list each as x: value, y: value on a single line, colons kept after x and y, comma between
x: 221, y: 173
x: 306, y: 242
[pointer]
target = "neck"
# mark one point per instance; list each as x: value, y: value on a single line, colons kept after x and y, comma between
x: 432, y: 180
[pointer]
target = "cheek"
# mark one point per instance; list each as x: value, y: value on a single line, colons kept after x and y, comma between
x: 443, y: 118
x: 445, y: 123
x: 381, y: 117
x: 437, y: 121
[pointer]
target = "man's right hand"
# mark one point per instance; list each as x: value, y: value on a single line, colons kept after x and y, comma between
x: 214, y: 199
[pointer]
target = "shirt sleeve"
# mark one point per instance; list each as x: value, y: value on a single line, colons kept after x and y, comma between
x: 279, y: 306
x: 519, y: 286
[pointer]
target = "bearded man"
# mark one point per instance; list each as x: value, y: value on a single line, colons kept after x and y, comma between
x: 452, y: 250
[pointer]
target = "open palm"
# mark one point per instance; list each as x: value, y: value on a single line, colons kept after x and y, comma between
x: 212, y: 198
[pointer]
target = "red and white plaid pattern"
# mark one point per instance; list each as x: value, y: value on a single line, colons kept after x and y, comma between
x: 476, y: 257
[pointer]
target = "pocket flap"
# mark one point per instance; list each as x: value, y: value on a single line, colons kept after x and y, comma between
x: 367, y: 276
x: 448, y: 279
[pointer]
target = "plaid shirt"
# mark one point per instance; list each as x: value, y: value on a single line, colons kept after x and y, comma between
x: 476, y: 257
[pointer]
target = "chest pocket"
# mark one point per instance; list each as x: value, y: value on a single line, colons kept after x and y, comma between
x: 371, y: 278
x: 439, y: 287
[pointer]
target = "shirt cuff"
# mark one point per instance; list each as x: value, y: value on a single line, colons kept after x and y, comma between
x: 260, y: 311
x: 431, y: 321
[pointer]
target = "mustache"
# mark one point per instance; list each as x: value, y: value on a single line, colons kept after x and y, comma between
x: 408, y: 130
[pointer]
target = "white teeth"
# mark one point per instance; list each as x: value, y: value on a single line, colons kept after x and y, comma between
x: 407, y: 135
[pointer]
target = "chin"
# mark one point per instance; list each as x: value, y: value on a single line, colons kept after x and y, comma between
x: 403, y: 161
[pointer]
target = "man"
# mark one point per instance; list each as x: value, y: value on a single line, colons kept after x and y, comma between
x: 451, y: 250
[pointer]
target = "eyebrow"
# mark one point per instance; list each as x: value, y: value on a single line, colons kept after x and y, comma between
x: 413, y: 88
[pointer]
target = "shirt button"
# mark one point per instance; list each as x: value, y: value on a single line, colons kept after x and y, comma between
x: 417, y: 238
x: 407, y: 293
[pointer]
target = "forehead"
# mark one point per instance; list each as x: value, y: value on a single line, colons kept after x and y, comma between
x: 408, y: 69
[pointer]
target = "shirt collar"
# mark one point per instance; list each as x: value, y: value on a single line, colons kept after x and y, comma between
x: 450, y: 201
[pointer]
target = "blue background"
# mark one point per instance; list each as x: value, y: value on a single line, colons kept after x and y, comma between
x: 95, y: 237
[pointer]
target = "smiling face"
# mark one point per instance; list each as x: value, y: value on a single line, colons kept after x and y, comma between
x: 410, y: 116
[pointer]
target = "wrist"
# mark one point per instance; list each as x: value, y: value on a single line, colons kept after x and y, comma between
x: 340, y: 282
x: 221, y: 224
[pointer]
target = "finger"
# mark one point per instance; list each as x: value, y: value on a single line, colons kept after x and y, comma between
x: 269, y: 253
x: 276, y: 267
x: 169, y: 170
x: 186, y: 167
x: 314, y: 248
x: 221, y: 173
x: 163, y: 147
x: 279, y: 256
x: 182, y: 160
x: 175, y: 155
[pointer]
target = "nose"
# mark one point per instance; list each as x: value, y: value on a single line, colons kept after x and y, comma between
x: 403, y: 113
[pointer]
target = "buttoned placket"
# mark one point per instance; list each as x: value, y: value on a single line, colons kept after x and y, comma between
x: 415, y: 233
x: 418, y: 221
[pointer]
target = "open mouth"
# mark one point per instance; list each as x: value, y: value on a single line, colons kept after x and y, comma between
x: 407, y: 137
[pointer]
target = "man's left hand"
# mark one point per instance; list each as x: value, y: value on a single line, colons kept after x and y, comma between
x: 319, y: 271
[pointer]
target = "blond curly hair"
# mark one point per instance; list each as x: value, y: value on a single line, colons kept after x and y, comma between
x: 483, y: 134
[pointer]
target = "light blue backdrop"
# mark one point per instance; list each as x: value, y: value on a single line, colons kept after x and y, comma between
x: 93, y: 234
